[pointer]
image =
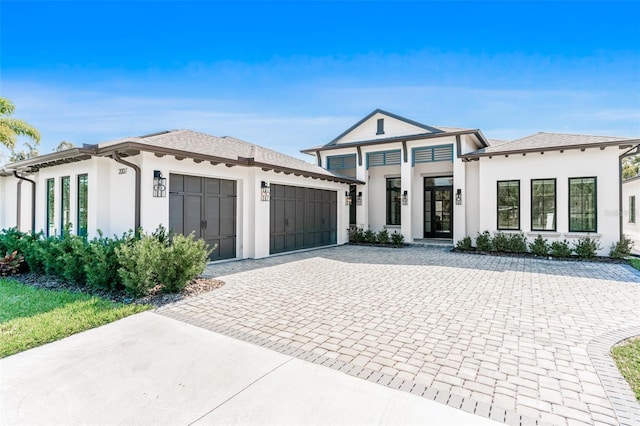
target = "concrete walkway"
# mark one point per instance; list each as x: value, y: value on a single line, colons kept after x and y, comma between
x: 509, y: 338
x: 148, y: 369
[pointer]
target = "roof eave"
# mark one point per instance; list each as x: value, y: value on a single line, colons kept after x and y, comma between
x: 394, y: 139
x: 621, y: 143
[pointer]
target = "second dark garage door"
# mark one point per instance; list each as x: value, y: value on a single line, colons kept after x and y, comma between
x: 302, y: 218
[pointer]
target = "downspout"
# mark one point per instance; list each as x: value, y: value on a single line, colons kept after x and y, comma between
x: 33, y: 200
x: 620, y: 216
x: 18, y: 204
x: 117, y: 158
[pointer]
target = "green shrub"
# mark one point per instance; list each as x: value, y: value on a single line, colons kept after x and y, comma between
x: 155, y: 260
x: 138, y: 264
x: 182, y: 261
x: 397, y: 239
x: 561, y: 249
x: 621, y: 249
x: 383, y: 237
x: 540, y: 246
x: 64, y: 257
x: 356, y: 235
x: 500, y: 242
x: 26, y: 244
x: 102, y: 264
x: 10, y: 264
x: 483, y: 242
x: 586, y: 247
x: 369, y: 237
x: 517, y: 243
x: 464, y: 244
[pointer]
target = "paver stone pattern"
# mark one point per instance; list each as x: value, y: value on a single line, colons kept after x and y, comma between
x: 505, y: 331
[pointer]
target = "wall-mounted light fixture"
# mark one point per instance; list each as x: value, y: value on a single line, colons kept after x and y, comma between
x: 359, y: 199
x: 347, y: 198
x: 265, y: 191
x: 159, y: 184
x: 405, y: 197
x: 458, y: 196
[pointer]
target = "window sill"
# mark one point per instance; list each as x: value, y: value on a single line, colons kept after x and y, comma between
x: 392, y: 226
x: 574, y: 234
x: 507, y: 231
x: 550, y: 234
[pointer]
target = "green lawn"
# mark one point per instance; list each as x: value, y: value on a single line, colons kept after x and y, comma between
x: 627, y: 359
x: 635, y: 262
x: 31, y: 317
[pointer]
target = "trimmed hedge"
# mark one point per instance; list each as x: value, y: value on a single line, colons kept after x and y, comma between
x: 135, y: 263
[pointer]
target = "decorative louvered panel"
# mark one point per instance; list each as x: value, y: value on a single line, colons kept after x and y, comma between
x: 383, y: 158
x: 339, y: 162
x: 433, y: 154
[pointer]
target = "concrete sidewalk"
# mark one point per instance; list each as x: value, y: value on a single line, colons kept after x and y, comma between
x: 149, y: 369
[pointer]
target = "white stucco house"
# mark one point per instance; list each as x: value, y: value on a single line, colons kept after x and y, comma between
x: 385, y: 171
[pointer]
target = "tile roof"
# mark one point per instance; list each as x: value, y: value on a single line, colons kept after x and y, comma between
x: 225, y: 147
x: 544, y: 141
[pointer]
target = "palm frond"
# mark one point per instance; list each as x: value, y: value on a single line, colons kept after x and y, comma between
x: 20, y: 127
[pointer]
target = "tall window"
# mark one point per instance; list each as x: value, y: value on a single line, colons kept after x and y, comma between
x: 82, y: 204
x: 509, y: 204
x: 65, y: 202
x: 50, y: 230
x: 393, y: 201
x: 543, y: 205
x: 582, y: 205
x: 632, y: 209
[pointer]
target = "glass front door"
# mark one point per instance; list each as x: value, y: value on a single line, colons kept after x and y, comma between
x: 438, y: 208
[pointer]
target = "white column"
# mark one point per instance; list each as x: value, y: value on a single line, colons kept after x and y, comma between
x: 459, y: 210
x: 261, y: 224
x: 362, y: 211
x: 406, y: 183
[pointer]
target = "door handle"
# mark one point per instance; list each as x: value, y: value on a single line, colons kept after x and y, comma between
x: 286, y: 222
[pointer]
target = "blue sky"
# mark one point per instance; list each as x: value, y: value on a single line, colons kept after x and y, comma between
x: 290, y: 75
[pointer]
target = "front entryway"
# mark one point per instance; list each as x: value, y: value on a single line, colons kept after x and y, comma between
x: 206, y: 207
x: 438, y: 208
x: 302, y: 218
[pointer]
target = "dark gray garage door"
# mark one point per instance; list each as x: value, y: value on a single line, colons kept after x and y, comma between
x: 206, y: 207
x: 302, y: 218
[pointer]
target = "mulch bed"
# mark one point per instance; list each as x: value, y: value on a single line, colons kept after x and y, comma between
x: 156, y: 297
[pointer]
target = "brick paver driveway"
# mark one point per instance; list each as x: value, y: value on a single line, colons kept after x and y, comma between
x: 502, y: 337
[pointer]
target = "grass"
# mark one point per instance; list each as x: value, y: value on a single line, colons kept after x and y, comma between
x: 635, y: 263
x: 31, y: 317
x: 627, y: 358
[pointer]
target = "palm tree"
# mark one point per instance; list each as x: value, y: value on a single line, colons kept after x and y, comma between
x: 11, y: 128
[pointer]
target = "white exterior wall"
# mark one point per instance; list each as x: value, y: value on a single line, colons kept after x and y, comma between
x: 8, y: 203
x: 631, y: 229
x: 603, y: 164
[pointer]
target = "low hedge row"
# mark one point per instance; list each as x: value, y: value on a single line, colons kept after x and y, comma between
x: 359, y: 236
x: 135, y: 263
x: 584, y: 247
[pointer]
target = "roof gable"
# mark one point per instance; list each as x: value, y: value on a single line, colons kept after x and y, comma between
x: 394, y: 126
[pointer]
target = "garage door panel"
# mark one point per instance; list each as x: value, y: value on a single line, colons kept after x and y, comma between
x: 228, y: 213
x: 212, y: 186
x: 176, y: 219
x: 206, y: 206
x: 193, y: 184
x: 176, y: 183
x: 192, y: 215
